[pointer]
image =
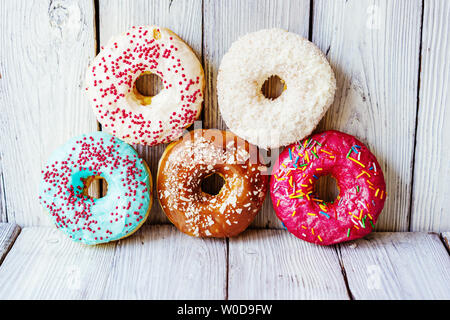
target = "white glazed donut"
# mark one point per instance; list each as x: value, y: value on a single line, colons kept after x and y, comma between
x: 122, y: 110
x: 309, y: 87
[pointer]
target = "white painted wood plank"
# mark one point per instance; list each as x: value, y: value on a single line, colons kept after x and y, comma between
x: 397, y: 266
x: 45, y: 49
x: 184, y: 17
x: 373, y: 46
x: 8, y: 234
x: 160, y: 262
x: 45, y: 264
x: 273, y: 264
x: 225, y: 22
x: 431, y: 170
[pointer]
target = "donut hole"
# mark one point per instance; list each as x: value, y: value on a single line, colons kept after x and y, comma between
x: 212, y: 184
x: 95, y: 187
x: 327, y: 189
x: 147, y: 85
x: 273, y: 87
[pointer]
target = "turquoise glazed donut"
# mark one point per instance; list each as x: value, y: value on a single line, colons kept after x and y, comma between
x: 69, y: 172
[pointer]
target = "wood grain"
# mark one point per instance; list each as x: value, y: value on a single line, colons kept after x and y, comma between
x: 273, y: 264
x: 225, y: 22
x: 160, y: 262
x: 3, y: 210
x: 373, y: 47
x: 430, y: 200
x: 184, y: 17
x: 397, y: 266
x: 45, y: 49
x: 45, y: 264
x: 8, y: 234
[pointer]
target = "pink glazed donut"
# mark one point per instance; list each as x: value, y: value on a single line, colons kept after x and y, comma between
x: 362, y: 189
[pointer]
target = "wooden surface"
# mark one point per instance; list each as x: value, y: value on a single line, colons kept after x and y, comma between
x: 431, y: 171
x: 162, y: 263
x: 159, y: 262
x: 45, y: 50
x: 374, y: 49
x: 273, y: 264
x: 8, y: 234
x: 156, y: 263
x: 397, y: 266
x: 44, y: 264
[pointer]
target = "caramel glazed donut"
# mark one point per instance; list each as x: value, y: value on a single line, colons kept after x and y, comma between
x: 127, y: 114
x: 199, y: 154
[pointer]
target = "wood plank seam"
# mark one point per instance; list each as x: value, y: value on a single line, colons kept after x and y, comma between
x: 97, y: 27
x: 445, y: 240
x: 227, y: 276
x: 3, y: 206
x: 344, y: 272
x: 13, y: 237
x: 311, y: 20
x: 413, y: 160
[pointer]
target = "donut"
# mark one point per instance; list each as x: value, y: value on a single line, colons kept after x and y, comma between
x: 118, y: 105
x: 362, y: 190
x: 68, y: 174
x: 198, y: 155
x: 309, y: 84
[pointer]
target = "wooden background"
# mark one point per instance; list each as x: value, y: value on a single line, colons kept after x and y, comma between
x: 391, y: 60
x: 392, y: 64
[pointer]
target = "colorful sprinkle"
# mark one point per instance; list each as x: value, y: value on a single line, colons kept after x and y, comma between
x: 326, y: 215
x: 356, y: 161
x: 349, y: 153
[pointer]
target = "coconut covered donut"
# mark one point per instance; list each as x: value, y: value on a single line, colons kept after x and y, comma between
x: 362, y: 189
x: 196, y: 156
x: 69, y: 172
x: 309, y: 87
x: 126, y: 113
